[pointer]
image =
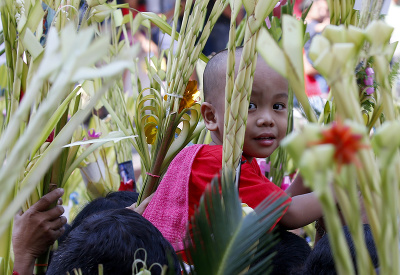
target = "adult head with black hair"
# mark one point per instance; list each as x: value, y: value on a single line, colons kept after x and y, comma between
x: 321, y: 260
x: 113, y: 200
x: 290, y: 253
x: 111, y: 238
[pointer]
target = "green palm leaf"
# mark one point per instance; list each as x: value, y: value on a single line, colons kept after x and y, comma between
x: 222, y: 240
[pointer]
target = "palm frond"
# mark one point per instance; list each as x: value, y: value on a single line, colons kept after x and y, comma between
x: 394, y: 72
x: 222, y: 241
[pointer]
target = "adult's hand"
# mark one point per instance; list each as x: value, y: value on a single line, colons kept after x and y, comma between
x: 36, y: 229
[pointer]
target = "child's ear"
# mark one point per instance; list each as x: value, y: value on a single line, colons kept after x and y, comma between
x: 209, y: 116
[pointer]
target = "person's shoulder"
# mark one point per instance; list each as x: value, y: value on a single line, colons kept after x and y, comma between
x: 189, y: 150
x: 209, y: 158
x: 213, y: 152
x: 311, y: 26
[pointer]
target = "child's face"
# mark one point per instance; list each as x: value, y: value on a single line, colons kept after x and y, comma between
x: 267, y: 117
x: 318, y: 11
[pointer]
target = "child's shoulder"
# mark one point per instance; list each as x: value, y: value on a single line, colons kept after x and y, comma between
x: 210, y: 152
x: 208, y: 159
x: 199, y: 153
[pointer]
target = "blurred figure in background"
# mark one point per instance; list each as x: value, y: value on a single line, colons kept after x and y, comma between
x: 393, y: 19
x: 166, y: 8
x: 317, y: 19
x: 315, y: 85
x: 219, y: 35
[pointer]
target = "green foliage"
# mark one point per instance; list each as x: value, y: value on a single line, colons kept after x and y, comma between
x: 222, y: 240
x: 394, y: 72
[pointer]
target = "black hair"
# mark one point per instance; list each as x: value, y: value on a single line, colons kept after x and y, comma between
x: 321, y: 261
x: 290, y: 253
x: 111, y: 238
x: 67, y: 227
x: 113, y: 200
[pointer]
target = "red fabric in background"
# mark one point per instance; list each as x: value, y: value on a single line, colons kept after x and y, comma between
x: 296, y: 8
x: 141, y: 8
x: 311, y: 86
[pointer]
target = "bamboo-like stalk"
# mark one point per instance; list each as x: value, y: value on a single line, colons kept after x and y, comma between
x: 347, y: 197
x: 152, y: 180
x: 6, y: 241
x: 180, y: 67
x: 189, y: 53
x: 314, y: 165
x: 50, y: 154
x: 229, y: 87
x: 373, y: 183
x: 368, y: 173
x: 238, y: 106
x: 368, y: 14
x: 15, y: 98
x: 336, y: 239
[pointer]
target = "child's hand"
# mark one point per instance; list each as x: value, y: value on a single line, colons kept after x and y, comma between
x: 36, y: 229
x: 140, y: 209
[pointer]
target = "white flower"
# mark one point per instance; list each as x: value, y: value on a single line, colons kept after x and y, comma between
x: 17, y: 17
x: 19, y: 3
x: 20, y: 9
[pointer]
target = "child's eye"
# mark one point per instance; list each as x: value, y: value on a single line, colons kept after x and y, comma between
x: 279, y: 106
x: 252, y: 106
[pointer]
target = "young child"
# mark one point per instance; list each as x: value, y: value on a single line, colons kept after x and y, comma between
x: 195, y: 166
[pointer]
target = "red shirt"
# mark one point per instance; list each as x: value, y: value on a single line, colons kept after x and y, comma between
x: 254, y: 187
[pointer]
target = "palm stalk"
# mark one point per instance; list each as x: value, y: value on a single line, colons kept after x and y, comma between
x: 368, y: 173
x: 180, y: 67
x: 230, y: 82
x: 346, y: 109
x: 47, y: 157
x: 347, y: 196
x: 17, y: 81
x: 341, y: 12
x: 237, y: 100
x: 236, y: 121
x: 278, y: 160
x: 388, y: 156
x: 10, y: 41
x: 345, y: 104
x: 6, y: 262
x: 152, y: 180
x: 335, y: 56
x: 123, y: 149
x: 336, y: 62
x: 291, y: 53
x: 60, y: 66
x: 369, y: 12
x: 318, y: 169
x: 55, y: 175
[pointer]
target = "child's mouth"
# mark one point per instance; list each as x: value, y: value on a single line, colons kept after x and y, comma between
x: 264, y: 138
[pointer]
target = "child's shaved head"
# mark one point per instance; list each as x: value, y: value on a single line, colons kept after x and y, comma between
x: 214, y: 79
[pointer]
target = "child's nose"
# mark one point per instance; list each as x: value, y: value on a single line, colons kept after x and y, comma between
x: 265, y: 120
